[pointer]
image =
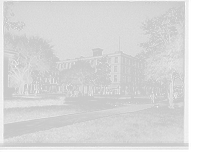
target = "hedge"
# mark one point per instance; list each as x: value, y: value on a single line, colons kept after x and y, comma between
x: 59, y: 100
x: 113, y: 96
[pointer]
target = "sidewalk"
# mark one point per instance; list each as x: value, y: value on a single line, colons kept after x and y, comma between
x: 20, y: 128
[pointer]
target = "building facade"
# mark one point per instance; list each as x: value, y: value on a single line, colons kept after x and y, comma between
x: 7, y: 90
x: 124, y: 70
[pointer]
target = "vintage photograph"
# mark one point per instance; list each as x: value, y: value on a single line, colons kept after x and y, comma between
x: 94, y: 74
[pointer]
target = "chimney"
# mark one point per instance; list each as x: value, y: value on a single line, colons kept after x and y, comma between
x: 97, y: 52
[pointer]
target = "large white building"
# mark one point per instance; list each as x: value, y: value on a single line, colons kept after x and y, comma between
x: 124, y: 68
x: 8, y: 54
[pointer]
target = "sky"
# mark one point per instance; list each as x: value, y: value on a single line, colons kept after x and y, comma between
x: 75, y: 28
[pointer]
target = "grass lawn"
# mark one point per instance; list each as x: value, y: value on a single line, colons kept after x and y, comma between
x: 152, y: 125
x: 71, y: 106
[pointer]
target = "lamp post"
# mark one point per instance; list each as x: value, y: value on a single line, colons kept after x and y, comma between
x: 152, y: 85
x: 132, y: 81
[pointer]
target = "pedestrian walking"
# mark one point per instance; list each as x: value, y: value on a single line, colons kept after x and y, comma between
x: 152, y: 96
x: 175, y: 95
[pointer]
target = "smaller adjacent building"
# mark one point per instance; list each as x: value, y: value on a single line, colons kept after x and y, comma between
x: 8, y: 54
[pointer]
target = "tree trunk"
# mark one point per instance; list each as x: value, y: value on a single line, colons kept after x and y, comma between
x: 27, y: 87
x: 183, y: 88
x: 171, y: 93
x: 133, y: 91
x: 101, y: 89
x: 40, y: 86
x: 36, y: 88
x: 83, y: 92
x: 21, y: 88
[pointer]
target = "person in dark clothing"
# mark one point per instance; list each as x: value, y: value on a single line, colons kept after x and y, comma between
x: 92, y: 92
x: 67, y: 93
x: 175, y: 95
x: 152, y: 96
x: 35, y: 93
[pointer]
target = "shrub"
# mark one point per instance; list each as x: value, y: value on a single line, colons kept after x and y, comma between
x: 59, y: 100
x: 113, y: 96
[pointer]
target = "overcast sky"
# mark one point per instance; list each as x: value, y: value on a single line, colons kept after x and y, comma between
x: 75, y: 28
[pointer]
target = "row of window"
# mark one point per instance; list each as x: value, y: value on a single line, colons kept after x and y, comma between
x: 126, y: 70
x: 94, y: 62
x: 129, y: 61
x: 128, y: 79
x: 53, y: 80
x: 59, y: 88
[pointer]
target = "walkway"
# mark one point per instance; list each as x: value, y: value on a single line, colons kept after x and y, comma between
x: 20, y: 128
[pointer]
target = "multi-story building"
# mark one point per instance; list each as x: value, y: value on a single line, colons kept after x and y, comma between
x: 124, y: 69
x: 8, y: 57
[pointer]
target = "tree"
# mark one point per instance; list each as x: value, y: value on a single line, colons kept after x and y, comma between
x: 102, y: 75
x: 79, y: 75
x: 8, y: 19
x: 33, y: 54
x: 164, y: 51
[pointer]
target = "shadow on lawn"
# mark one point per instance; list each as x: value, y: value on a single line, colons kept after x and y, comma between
x: 178, y: 104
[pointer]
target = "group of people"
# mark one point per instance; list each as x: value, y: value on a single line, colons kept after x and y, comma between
x: 72, y: 93
x: 75, y: 93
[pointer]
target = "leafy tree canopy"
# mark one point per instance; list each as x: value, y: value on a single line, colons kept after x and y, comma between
x: 8, y: 16
x: 165, y: 49
x: 79, y: 74
x: 33, y: 57
x: 102, y: 75
x: 164, y: 52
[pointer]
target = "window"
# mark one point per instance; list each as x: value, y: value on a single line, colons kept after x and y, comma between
x: 140, y: 81
x: 58, y: 79
x: 115, y: 78
x: 109, y: 60
x: 115, y: 68
x: 116, y: 59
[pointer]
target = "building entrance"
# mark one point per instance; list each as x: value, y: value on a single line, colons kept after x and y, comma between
x: 116, y: 91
